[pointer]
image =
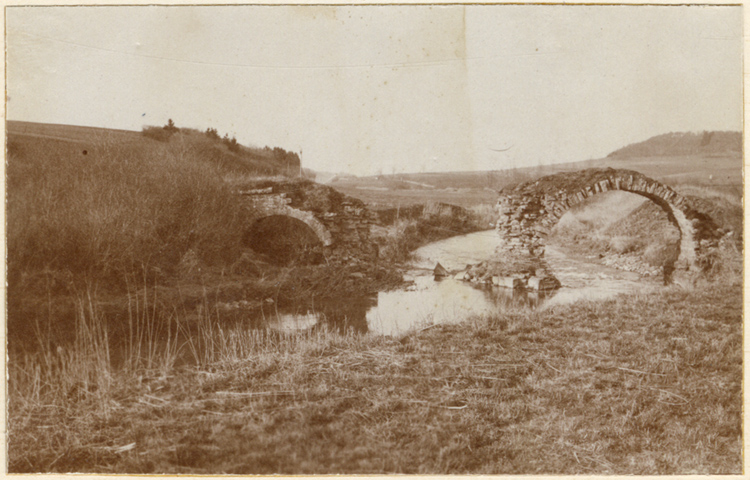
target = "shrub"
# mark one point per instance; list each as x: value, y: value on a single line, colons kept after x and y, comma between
x: 232, y: 144
x: 156, y: 133
x: 661, y: 254
x: 722, y: 264
x: 401, y: 239
x: 170, y: 127
x: 212, y: 133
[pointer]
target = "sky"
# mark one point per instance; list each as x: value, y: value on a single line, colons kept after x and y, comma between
x: 386, y: 89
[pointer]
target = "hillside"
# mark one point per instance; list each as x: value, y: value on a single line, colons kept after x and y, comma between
x: 75, y: 140
x: 685, y: 143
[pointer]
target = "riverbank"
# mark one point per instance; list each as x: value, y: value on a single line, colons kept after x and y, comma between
x: 646, y: 384
x: 46, y: 300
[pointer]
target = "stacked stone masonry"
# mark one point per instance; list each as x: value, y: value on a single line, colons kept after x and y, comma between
x: 341, y: 223
x: 527, y: 212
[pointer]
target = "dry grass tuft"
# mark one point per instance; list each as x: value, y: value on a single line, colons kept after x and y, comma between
x: 117, y: 210
x: 647, y: 384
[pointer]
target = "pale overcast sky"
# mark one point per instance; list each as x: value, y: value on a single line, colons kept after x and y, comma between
x: 389, y: 88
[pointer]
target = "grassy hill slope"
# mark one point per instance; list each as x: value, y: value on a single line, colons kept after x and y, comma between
x: 109, y: 210
x: 685, y: 143
x: 627, y: 231
x: 74, y: 140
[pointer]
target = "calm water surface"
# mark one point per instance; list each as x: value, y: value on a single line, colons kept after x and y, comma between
x: 427, y: 301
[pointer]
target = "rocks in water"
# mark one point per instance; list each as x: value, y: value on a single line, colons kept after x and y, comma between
x: 533, y: 277
x: 440, y: 271
x: 543, y: 283
x: 631, y: 263
x: 508, y: 282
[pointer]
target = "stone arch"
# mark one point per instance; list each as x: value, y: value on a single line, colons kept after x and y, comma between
x: 529, y: 211
x: 306, y: 217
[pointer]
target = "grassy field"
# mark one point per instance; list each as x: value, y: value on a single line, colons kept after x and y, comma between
x: 76, y: 140
x: 384, y: 197
x: 637, y: 385
x: 122, y: 249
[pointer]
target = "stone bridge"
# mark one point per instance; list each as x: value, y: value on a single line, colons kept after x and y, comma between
x: 529, y: 211
x: 340, y: 223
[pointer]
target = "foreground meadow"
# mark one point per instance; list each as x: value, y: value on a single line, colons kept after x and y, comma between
x: 122, y: 252
x: 635, y: 385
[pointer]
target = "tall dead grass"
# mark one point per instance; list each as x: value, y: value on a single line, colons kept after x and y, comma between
x: 95, y: 368
x: 628, y: 386
x: 116, y: 211
x: 90, y: 228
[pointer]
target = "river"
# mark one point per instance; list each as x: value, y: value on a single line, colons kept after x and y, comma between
x: 427, y: 301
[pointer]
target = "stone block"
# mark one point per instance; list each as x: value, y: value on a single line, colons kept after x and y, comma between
x: 507, y: 282
x: 543, y: 283
x: 461, y: 276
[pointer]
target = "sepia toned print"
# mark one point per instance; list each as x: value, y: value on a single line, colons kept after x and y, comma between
x: 374, y: 239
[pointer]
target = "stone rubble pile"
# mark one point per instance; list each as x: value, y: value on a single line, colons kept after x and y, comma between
x: 631, y: 263
x: 491, y: 273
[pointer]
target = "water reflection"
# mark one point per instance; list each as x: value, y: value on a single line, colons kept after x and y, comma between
x: 456, y: 252
x: 338, y: 313
x: 440, y: 301
x: 428, y: 301
x: 394, y: 313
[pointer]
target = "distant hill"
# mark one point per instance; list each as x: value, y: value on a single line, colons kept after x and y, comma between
x: 72, y: 138
x: 684, y: 143
x: 711, y: 159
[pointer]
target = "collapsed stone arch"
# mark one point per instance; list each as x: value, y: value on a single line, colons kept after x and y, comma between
x: 529, y: 211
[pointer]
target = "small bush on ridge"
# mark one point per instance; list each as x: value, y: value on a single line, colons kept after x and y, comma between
x: 156, y: 133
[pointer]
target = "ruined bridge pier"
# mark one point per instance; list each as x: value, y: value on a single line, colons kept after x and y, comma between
x: 527, y: 212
